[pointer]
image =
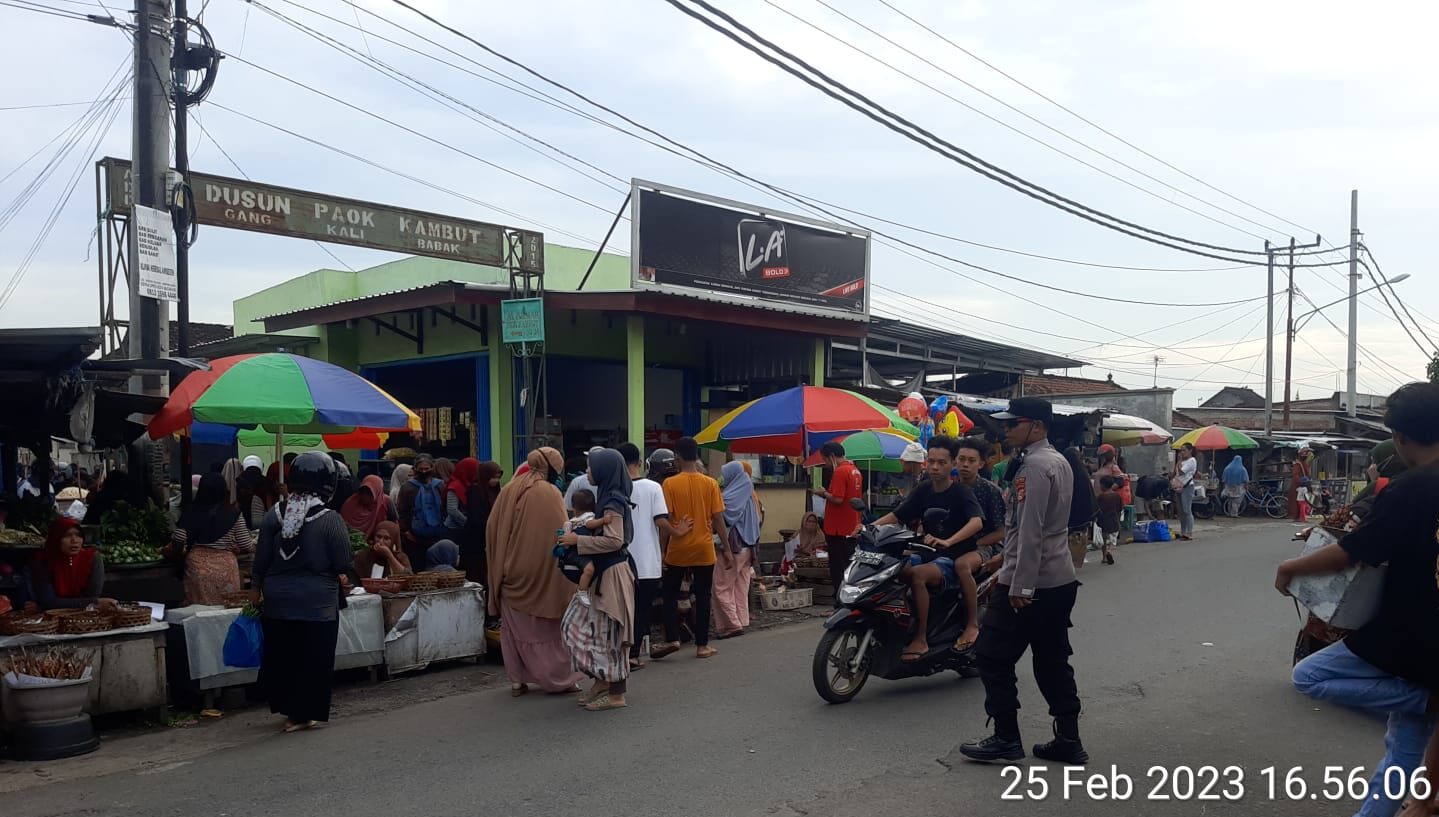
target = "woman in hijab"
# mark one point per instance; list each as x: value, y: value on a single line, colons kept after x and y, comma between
x: 443, y: 556
x: 1299, y: 471
x: 368, y: 507
x: 252, y: 492
x: 457, y: 492
x: 209, y: 536
x: 1082, y: 508
x: 1235, y: 477
x: 66, y: 574
x: 599, y: 634
x: 304, y: 547
x: 527, y: 592
x: 401, y: 475
x: 384, y: 552
x: 807, y: 540
x: 733, y: 577
x: 478, y: 504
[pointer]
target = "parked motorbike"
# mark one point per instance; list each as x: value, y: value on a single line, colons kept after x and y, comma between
x: 875, y: 620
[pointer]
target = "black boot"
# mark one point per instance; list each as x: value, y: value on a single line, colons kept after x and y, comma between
x: 1004, y: 744
x: 1066, y: 747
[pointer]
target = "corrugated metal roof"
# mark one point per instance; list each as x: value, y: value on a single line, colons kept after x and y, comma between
x: 969, y: 346
x: 375, y: 295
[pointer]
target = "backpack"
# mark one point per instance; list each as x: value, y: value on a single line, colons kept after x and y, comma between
x: 428, y: 516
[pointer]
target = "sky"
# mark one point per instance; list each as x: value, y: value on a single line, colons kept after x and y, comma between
x: 1221, y: 122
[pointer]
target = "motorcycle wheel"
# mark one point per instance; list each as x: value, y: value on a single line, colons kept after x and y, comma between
x: 832, y: 679
x: 1204, y: 511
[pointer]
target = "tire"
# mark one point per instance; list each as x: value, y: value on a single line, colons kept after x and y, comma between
x: 1204, y: 511
x: 1276, y: 506
x: 833, y: 652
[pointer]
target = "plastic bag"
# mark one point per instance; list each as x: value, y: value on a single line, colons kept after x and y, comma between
x: 244, y: 643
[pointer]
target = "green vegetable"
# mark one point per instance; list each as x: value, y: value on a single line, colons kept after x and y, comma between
x: 134, y: 536
x: 357, y: 541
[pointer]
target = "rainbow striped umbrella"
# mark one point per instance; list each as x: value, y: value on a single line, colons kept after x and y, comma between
x: 1216, y: 438
x: 877, y: 450
x: 797, y: 421
x: 284, y: 393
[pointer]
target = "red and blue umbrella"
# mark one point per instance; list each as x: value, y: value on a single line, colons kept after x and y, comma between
x: 797, y: 421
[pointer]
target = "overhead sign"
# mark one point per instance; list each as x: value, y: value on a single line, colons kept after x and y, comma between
x: 267, y: 208
x: 689, y: 241
x: 522, y: 320
x: 155, y: 254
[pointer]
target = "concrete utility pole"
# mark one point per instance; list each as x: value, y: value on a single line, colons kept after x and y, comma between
x: 1353, y: 383
x: 149, y: 318
x: 179, y: 73
x: 1269, y: 347
x: 1288, y: 339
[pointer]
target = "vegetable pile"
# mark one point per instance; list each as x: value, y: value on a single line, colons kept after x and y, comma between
x: 357, y: 541
x: 131, y: 536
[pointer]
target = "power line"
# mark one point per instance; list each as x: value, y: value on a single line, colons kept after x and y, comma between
x: 915, y: 133
x: 48, y: 105
x: 1084, y: 119
x: 1021, y: 112
x: 1385, y: 282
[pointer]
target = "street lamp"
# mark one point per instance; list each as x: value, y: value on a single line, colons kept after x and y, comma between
x: 1295, y: 324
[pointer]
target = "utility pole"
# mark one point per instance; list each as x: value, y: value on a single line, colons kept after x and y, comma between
x: 1157, y: 360
x: 179, y: 74
x: 1353, y: 384
x: 149, y: 318
x: 1269, y: 346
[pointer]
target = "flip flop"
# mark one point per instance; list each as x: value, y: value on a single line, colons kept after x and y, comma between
x: 706, y: 652
x: 963, y: 647
x: 636, y: 665
x: 516, y: 690
x: 589, y: 696
x: 664, y: 650
x: 731, y: 634
x: 300, y: 727
x: 603, y: 703
x: 910, y: 656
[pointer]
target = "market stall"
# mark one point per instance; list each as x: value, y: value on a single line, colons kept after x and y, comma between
x: 128, y: 665
x: 198, y: 635
x: 439, y: 625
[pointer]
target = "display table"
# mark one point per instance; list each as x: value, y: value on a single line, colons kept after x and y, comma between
x: 128, y: 665
x: 204, y: 627
x: 439, y: 625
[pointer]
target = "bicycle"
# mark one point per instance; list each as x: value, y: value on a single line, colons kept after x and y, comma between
x: 1265, y: 500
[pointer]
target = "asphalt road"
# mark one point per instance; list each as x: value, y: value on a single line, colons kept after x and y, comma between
x: 1182, y: 655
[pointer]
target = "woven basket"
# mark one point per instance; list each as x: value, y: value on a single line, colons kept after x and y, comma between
x: 129, y: 616
x: 83, y: 623
x: 382, y: 585
x: 62, y: 612
x: 447, y: 579
x: 420, y: 583
x: 28, y: 624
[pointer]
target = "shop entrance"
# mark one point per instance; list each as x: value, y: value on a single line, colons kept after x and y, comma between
x: 588, y: 401
x: 451, y: 395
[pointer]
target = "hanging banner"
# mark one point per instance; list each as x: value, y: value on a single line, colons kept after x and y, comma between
x: 268, y: 208
x: 155, y: 254
x: 688, y: 241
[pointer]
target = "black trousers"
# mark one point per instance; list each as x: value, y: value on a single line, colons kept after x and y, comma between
x: 841, y: 551
x: 646, y: 591
x: 296, y: 666
x: 702, y: 591
x: 1004, y: 636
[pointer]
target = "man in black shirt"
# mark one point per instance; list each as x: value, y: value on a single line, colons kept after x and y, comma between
x: 1391, y: 664
x: 952, y: 540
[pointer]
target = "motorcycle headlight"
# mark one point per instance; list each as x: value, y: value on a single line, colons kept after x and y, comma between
x: 850, y: 593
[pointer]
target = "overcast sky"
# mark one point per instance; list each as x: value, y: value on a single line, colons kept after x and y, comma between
x: 1284, y: 106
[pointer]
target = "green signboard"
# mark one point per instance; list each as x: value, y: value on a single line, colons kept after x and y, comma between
x: 522, y: 320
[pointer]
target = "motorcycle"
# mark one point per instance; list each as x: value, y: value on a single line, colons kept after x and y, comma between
x: 875, y: 620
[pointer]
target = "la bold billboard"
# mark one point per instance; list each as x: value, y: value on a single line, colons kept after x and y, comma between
x: 688, y: 241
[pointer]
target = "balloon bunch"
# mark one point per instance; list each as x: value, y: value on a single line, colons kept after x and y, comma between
x: 934, y: 418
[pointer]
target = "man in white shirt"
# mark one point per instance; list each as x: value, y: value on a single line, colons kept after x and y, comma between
x: 580, y: 483
x: 653, y: 529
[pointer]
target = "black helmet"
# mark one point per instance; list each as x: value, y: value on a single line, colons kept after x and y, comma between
x: 662, y: 463
x: 315, y: 473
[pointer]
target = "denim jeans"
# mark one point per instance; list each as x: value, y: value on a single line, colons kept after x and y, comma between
x: 1186, y: 509
x: 1337, y: 675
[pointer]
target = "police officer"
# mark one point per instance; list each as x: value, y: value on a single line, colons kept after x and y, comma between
x: 1033, y: 596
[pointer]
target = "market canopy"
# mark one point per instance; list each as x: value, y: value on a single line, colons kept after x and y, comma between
x: 797, y: 421
x: 878, y: 450
x: 1124, y: 429
x: 261, y: 437
x: 285, y: 393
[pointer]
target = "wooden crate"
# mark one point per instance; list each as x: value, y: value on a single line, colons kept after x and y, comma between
x: 782, y: 599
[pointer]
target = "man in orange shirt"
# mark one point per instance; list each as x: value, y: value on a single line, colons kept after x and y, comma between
x: 843, y: 502
x: 691, y: 495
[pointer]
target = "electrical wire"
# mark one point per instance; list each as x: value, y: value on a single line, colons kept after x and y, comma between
x: 1359, y: 347
x: 1021, y: 112
x: 48, y: 105
x: 1382, y: 280
x: 332, y: 148
x: 1084, y: 119
x: 917, y: 134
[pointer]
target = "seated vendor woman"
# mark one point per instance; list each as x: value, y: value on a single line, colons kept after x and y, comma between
x: 384, y: 557
x: 66, y: 573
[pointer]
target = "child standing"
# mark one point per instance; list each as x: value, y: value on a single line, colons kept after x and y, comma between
x: 1305, y: 497
x: 1111, y: 507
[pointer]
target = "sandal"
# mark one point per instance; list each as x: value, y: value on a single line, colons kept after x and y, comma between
x: 602, y: 703
x: 730, y: 634
x: 911, y: 656
x: 299, y: 727
x: 588, y: 696
x: 963, y: 647
x: 663, y: 650
x: 706, y: 652
x: 636, y: 665
x: 516, y: 690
